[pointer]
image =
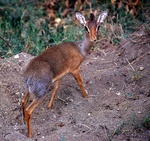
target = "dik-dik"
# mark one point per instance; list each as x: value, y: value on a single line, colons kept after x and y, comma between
x: 55, y: 62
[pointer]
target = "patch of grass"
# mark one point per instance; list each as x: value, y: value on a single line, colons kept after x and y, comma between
x: 136, y: 76
x: 16, y: 26
x: 26, y: 29
x: 24, y: 26
x: 62, y: 138
x: 118, y: 130
x: 121, y: 23
x: 146, y: 121
x: 132, y: 124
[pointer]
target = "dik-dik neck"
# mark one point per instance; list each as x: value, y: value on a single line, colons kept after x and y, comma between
x: 85, y: 45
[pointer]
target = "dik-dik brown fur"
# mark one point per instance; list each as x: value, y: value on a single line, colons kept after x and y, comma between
x: 55, y: 62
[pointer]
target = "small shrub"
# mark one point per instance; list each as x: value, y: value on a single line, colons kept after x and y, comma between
x: 146, y: 121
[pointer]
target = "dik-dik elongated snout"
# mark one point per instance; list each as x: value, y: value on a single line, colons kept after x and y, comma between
x: 93, y: 35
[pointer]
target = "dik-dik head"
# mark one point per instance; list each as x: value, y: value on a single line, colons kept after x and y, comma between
x: 92, y: 25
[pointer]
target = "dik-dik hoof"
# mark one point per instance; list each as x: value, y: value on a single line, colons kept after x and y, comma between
x: 29, y: 135
x: 49, y: 106
x: 24, y: 120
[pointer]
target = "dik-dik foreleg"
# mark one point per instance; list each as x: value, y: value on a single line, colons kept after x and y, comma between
x: 77, y: 76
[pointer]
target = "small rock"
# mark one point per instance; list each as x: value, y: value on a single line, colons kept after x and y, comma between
x: 16, y: 56
x: 141, y: 68
x: 118, y: 93
x: 38, y: 133
x: 71, y: 100
x: 20, y: 63
x: 17, y: 93
x: 54, y: 116
x: 141, y: 91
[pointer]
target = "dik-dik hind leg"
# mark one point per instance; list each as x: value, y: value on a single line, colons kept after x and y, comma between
x: 29, y: 110
x: 24, y: 102
x: 56, y: 86
x: 77, y: 76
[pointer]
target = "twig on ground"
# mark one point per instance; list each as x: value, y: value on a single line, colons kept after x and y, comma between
x: 121, y: 52
x: 130, y: 64
x: 64, y: 101
x: 80, y: 124
x: 6, y: 41
x: 137, y: 59
x: 124, y: 84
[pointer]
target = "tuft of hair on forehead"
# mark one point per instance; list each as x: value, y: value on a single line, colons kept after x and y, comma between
x: 92, y: 17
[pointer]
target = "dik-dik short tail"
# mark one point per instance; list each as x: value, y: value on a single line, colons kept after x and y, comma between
x: 55, y: 62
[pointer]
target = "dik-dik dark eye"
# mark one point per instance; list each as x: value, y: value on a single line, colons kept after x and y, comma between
x: 86, y: 29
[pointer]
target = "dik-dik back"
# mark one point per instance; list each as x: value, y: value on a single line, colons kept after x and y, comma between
x: 52, y: 64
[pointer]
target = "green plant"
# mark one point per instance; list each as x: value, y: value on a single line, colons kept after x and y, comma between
x: 26, y: 29
x: 146, y: 121
x: 118, y: 129
x: 63, y: 138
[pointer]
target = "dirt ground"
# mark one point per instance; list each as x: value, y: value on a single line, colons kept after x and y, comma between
x: 118, y: 85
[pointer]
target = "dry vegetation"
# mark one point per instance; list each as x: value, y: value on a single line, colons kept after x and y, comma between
x: 116, y: 74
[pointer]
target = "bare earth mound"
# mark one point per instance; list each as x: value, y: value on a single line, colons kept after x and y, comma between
x: 118, y: 85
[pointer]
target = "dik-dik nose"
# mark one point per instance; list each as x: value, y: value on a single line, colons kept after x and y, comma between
x: 93, y: 39
x: 93, y: 35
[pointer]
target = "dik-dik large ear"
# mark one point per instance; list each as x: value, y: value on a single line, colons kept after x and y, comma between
x: 81, y: 18
x: 102, y: 17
